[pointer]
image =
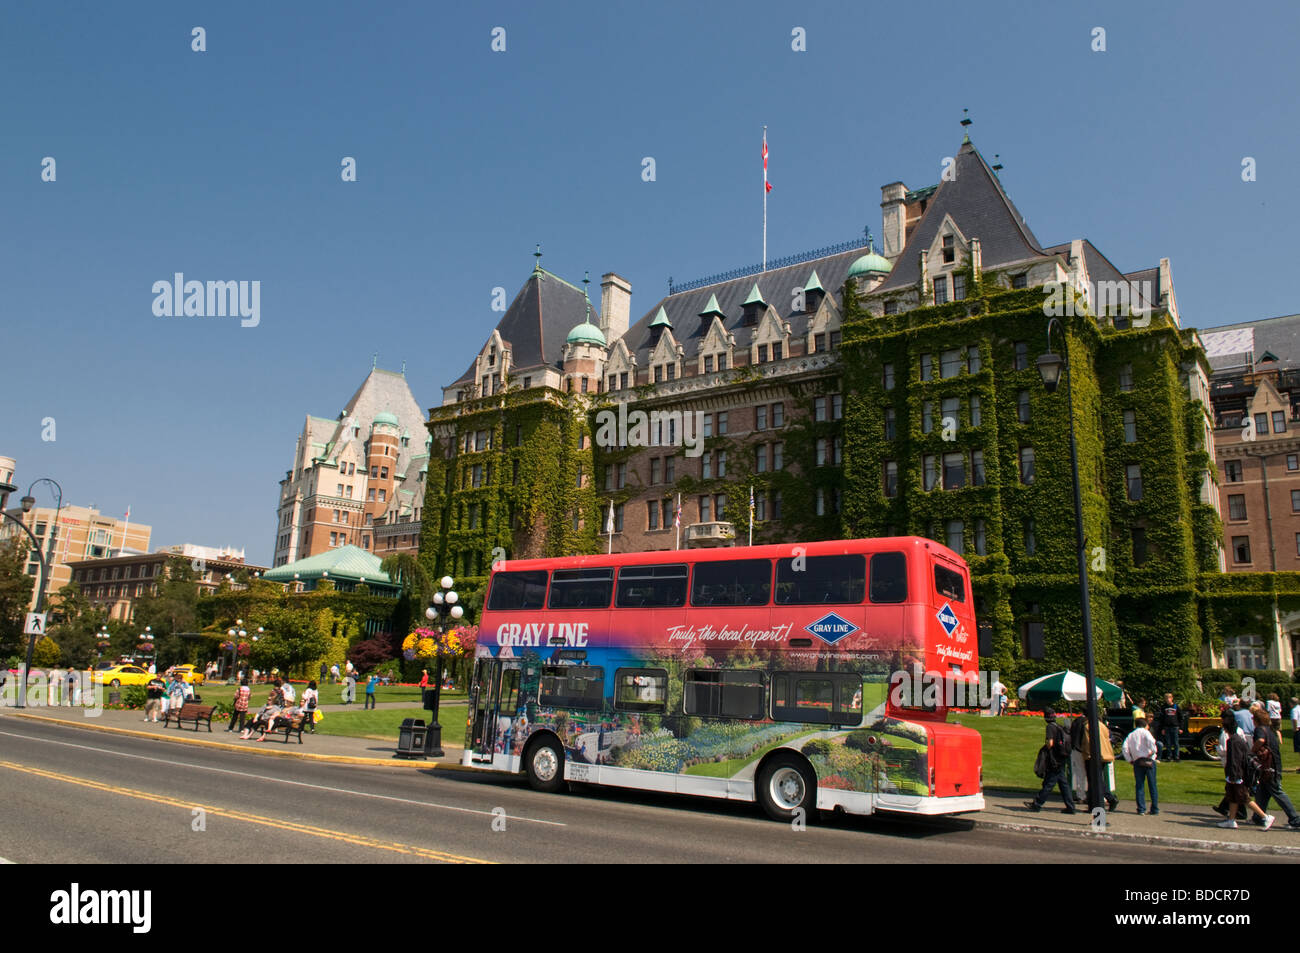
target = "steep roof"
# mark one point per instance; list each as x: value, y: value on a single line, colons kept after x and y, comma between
x: 1233, y: 345
x: 776, y: 287
x: 539, y: 320
x: 1100, y: 268
x: 975, y: 200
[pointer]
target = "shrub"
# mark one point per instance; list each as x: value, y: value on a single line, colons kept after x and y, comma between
x: 816, y: 747
x: 133, y: 696
x: 391, y: 669
x: 367, y: 654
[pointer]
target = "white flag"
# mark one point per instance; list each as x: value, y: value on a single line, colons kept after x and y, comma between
x: 609, y: 520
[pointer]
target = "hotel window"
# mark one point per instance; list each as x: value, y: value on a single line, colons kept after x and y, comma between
x: 950, y: 363
x: 383, y: 496
x: 776, y: 350
x: 819, y: 342
x: 706, y: 509
x: 760, y: 505
x: 981, y: 538
x: 1261, y: 424
x: 1022, y: 406
x: 340, y: 492
x: 577, y: 481
x: 1022, y: 355
x: 888, y: 375
x: 931, y: 471
x: 958, y: 287
x: 819, y: 409
x: 762, y: 353
x: 722, y: 463
x: 1295, y: 501
x: 622, y: 475
x: 821, y: 502
x: 708, y: 363
x: 1133, y: 476
x: 374, y: 472
x: 1026, y: 465
x: 889, y: 423
x: 1139, y: 545
x: 1237, y: 506
x: 720, y: 506
x: 659, y: 373
x: 722, y: 423
x: 622, y: 381
x: 585, y: 385
x: 383, y: 473
x: 618, y: 517
x: 822, y: 445
x: 954, y: 472
x: 973, y: 364
x: 949, y: 251
x: 927, y: 416
x: 476, y: 478
x: 760, y: 458
x: 891, y: 478
x: 778, y: 415
x: 670, y: 469
x: 778, y: 455
x: 835, y: 340
x: 1292, y: 461
x: 977, y: 468
x: 837, y: 406
x: 370, y: 494
x: 941, y: 291
x: 927, y: 367
x: 1279, y: 421
x: 1232, y: 470
x: 666, y: 513
x: 891, y: 307
x: 707, y: 430
x: 956, y: 530
x: 760, y: 418
x: 948, y: 411
x: 1241, y: 549
x: 1246, y: 651
x: 976, y: 416
x: 655, y: 464
x: 613, y: 382
x: 837, y: 450
x: 1130, y: 426
x: 1031, y: 538
x: 706, y: 466
x: 652, y: 515
x: 1020, y: 281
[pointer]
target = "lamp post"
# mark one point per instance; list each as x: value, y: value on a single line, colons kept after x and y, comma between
x: 144, y: 642
x: 46, y: 560
x: 102, y: 643
x: 1050, y: 368
x: 236, y: 635
x: 445, y: 605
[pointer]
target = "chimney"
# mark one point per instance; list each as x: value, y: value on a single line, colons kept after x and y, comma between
x: 893, y: 218
x: 615, y: 306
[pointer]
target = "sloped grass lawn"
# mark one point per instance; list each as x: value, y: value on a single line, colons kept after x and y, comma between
x: 1011, y: 743
x: 383, y: 724
x: 214, y: 692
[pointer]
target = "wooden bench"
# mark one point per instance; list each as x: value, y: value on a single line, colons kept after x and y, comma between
x: 190, y: 712
x: 289, y: 726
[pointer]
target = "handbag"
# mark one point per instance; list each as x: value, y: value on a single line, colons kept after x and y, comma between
x: 1144, y: 762
x: 1043, y: 763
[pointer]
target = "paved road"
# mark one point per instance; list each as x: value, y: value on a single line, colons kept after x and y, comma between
x: 77, y: 796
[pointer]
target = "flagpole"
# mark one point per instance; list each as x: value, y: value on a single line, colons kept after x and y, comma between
x: 751, y: 514
x: 765, y: 198
x: 126, y: 524
x: 677, y: 522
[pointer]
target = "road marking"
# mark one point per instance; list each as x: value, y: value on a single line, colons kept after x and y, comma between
x: 302, y: 784
x: 356, y: 840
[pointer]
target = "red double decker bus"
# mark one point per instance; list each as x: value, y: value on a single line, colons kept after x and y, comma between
x: 758, y: 673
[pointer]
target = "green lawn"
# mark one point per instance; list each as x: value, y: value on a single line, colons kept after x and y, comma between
x: 1012, y: 742
x: 383, y: 724
x: 329, y: 694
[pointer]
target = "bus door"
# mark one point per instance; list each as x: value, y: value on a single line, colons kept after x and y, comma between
x: 494, y: 708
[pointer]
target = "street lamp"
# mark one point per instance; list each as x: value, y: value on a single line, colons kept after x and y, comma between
x: 145, y: 644
x: 236, y: 635
x: 46, y: 562
x: 103, y: 643
x: 1050, y: 368
x: 445, y: 605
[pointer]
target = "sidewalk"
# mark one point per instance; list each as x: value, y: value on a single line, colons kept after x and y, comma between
x: 1190, y: 826
x: 319, y: 747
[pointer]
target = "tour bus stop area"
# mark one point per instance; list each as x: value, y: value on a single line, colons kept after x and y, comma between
x: 1177, y: 826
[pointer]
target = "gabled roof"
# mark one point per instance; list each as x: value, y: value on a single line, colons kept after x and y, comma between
x: 1100, y: 268
x: 538, y: 321
x: 1234, y: 345
x: 975, y: 200
x: 342, y: 562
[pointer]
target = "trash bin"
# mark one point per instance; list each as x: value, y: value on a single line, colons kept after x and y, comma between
x: 411, y: 739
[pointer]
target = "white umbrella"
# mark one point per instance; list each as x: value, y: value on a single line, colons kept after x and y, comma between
x: 1068, y: 685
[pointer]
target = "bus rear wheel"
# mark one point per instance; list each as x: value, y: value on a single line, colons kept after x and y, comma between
x: 786, y: 786
x: 544, y: 765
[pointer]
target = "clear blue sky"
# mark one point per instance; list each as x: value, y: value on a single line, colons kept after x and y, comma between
x: 225, y: 165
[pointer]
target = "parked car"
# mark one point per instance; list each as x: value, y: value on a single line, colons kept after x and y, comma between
x: 121, y: 675
x: 187, y: 673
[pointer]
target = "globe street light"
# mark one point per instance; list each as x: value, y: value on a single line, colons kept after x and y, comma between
x: 46, y: 562
x: 1051, y: 368
x: 444, y: 607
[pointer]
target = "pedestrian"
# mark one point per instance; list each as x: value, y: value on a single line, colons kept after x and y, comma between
x: 424, y: 678
x: 1053, y: 758
x: 1269, y: 781
x: 310, y: 698
x: 1295, y: 725
x: 1227, y: 696
x: 1170, y: 722
x: 323, y: 670
x: 1243, y: 717
x: 1140, y: 711
x: 371, y: 683
x: 1107, y: 759
x: 71, y: 681
x: 240, y: 710
x: 1274, y: 708
x: 1077, y: 775
x: 1235, y: 776
x: 176, y: 693
x: 334, y: 674
x: 349, y: 688
x: 154, y: 695
x: 351, y: 669
x: 289, y: 693
x: 1141, y: 751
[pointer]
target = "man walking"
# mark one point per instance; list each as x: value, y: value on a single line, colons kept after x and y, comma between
x: 1236, y: 768
x: 1170, y: 721
x: 1077, y: 757
x: 371, y: 683
x: 1269, y: 782
x: 350, y: 688
x: 1056, y: 752
x: 1141, y: 751
x: 1107, y: 759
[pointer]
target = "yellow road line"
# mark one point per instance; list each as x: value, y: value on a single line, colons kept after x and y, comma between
x: 357, y: 840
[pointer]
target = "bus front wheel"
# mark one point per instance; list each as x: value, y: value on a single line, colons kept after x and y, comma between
x: 544, y: 766
x: 786, y: 787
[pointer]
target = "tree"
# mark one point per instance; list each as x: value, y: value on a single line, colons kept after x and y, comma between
x: 170, y: 611
x: 15, y: 593
x: 290, y: 641
x: 405, y: 570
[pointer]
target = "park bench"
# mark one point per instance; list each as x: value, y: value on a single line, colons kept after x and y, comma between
x: 190, y: 712
x: 288, y: 726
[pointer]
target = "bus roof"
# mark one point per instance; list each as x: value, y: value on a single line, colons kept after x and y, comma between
x: 831, y: 547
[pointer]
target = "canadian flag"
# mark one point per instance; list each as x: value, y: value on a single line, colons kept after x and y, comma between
x: 767, y: 186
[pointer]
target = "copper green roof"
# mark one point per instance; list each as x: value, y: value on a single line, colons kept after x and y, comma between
x: 710, y: 308
x: 349, y: 563
x: 755, y: 296
x: 661, y: 319
x: 814, y: 283
x: 586, y: 333
x: 870, y: 264
x: 384, y: 417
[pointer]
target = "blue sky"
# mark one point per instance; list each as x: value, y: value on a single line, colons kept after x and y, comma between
x: 225, y: 165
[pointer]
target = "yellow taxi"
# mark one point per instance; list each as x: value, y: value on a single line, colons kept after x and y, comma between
x: 187, y: 673
x: 121, y: 675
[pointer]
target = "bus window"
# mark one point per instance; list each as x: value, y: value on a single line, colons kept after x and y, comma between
x: 824, y: 580
x: 651, y: 587
x: 641, y: 689
x: 509, y: 704
x: 518, y: 590
x: 724, y: 693
x: 581, y: 588
x: 817, y: 698
x: 949, y: 583
x: 572, y: 686
x: 732, y: 582
x: 888, y: 577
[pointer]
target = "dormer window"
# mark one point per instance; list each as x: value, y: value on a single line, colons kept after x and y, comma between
x: 492, y: 356
x: 708, y: 363
x: 762, y: 353
x: 949, y: 251
x: 958, y: 287
x: 940, y: 290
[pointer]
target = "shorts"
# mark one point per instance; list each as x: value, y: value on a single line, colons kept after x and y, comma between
x: 1236, y: 793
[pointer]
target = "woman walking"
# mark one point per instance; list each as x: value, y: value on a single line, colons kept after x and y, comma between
x: 240, y: 711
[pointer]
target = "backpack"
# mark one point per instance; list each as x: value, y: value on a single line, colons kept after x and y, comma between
x: 1261, y: 763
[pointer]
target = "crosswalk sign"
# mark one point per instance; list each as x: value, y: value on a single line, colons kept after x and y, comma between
x: 35, y: 624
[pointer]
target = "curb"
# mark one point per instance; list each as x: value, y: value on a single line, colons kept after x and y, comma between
x: 262, y: 750
x: 1160, y: 840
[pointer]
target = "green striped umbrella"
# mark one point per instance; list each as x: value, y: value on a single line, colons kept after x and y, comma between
x: 1068, y: 685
